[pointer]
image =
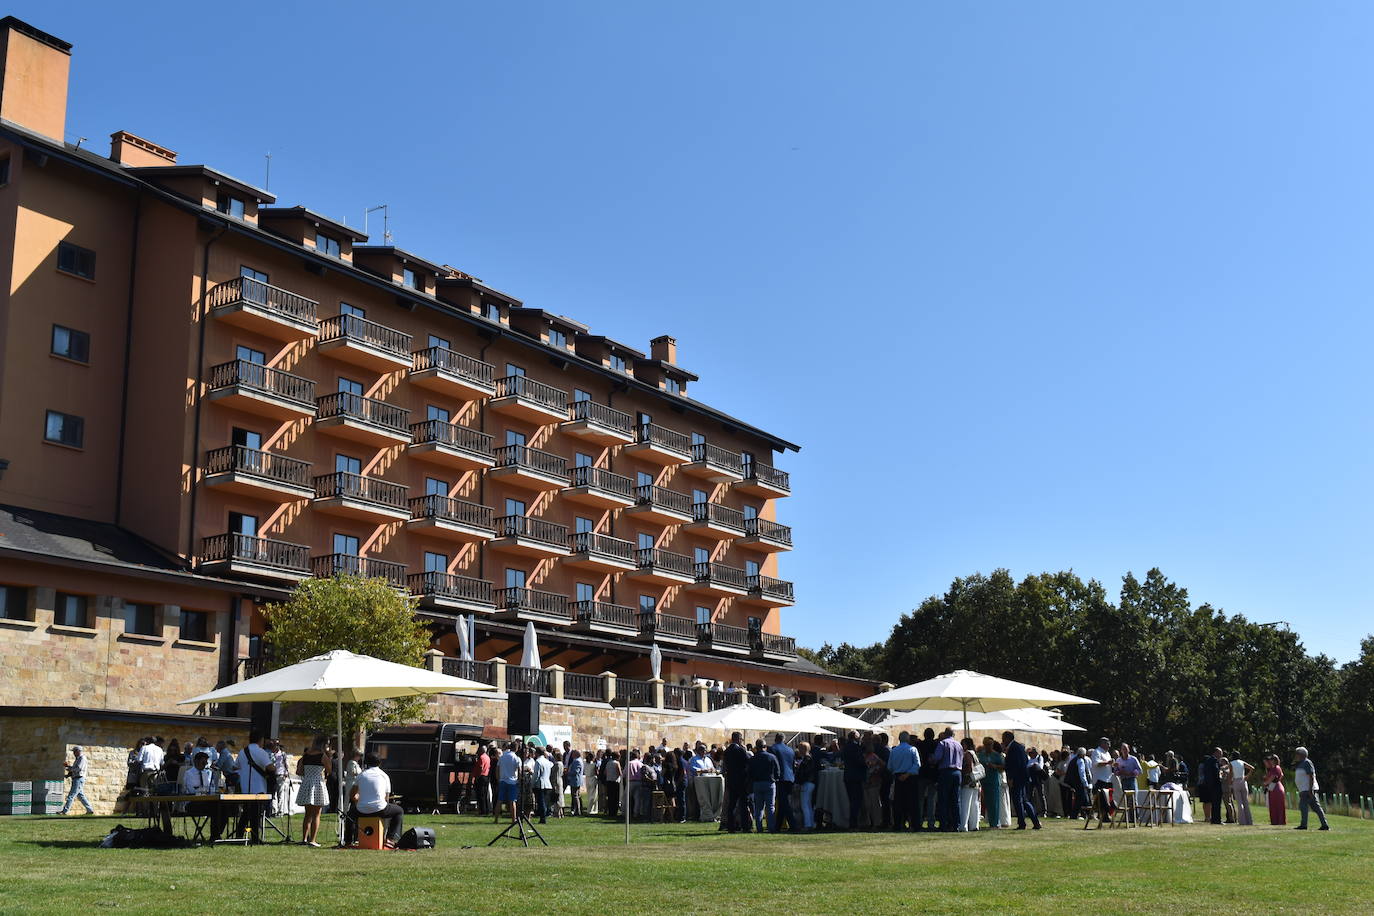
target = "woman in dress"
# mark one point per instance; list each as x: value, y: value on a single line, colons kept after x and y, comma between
x: 556, y: 785
x: 993, y: 763
x: 313, y: 769
x: 967, y: 822
x: 1278, y: 795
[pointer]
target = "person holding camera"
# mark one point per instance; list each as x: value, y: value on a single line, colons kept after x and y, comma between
x: 76, y: 772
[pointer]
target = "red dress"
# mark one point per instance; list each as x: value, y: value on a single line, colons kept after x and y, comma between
x: 1278, y: 796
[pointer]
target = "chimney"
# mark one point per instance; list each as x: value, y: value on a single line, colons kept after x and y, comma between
x: 664, y: 349
x: 126, y: 149
x: 33, y: 87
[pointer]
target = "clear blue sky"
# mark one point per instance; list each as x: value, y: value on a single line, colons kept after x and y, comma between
x: 1035, y: 285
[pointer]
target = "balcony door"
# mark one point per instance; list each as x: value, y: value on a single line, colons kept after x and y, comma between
x: 703, y: 615
x: 441, y: 342
x: 515, y: 438
x: 436, y: 562
x: 349, y: 386
x: 583, y: 525
x: 247, y: 450
x: 255, y: 287
x: 243, y: 531
x: 585, y: 591
x: 751, y: 568
x: 648, y: 604
x: 347, y: 464
x: 701, y: 555
x: 249, y: 355
x: 437, y: 413
x: 515, y: 506
x: 646, y: 541
x: 246, y: 438
x: 750, y: 512
x: 345, y: 559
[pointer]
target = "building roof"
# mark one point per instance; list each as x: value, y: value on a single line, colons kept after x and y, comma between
x: 100, y: 164
x: 204, y: 171
x: 309, y: 215
x: 400, y: 253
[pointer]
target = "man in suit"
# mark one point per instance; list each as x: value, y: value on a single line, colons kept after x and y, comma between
x: 1018, y: 773
x: 786, y: 778
x: 737, y: 807
x: 855, y: 774
x: 1209, y: 784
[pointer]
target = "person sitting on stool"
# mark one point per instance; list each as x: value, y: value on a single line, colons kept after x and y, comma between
x: 371, y: 795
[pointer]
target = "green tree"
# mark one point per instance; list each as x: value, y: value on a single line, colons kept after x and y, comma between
x: 363, y: 616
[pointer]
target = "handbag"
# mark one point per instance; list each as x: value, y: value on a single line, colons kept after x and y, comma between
x: 975, y: 776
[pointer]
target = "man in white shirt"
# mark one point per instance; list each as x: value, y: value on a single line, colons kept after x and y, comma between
x: 201, y: 779
x: 76, y: 771
x: 1102, y: 761
x: 1305, y: 779
x: 149, y: 762
x: 371, y: 798
x: 542, y: 785
x: 254, y: 763
x: 508, y: 782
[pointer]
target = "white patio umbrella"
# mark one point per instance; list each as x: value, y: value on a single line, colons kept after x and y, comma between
x: 464, y: 650
x: 819, y: 716
x: 1027, y: 719
x: 530, y: 657
x: 656, y: 662
x: 739, y: 717
x: 967, y: 692
x: 343, y: 678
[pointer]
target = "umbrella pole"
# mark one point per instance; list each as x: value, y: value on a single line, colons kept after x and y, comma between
x: 339, y: 768
x: 966, y: 734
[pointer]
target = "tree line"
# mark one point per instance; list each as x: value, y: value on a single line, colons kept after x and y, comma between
x: 1169, y: 676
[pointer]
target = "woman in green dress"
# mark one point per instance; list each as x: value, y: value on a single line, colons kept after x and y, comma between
x: 990, y: 756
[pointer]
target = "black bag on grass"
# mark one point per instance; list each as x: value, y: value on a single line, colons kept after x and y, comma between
x: 417, y: 838
x: 143, y: 838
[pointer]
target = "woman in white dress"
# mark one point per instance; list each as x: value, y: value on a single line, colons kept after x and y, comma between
x: 313, y: 769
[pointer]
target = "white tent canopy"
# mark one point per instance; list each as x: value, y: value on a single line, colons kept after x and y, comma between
x: 818, y: 717
x: 739, y: 717
x: 968, y: 692
x: 1028, y: 719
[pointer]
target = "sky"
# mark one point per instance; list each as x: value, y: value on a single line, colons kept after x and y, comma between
x: 1035, y: 286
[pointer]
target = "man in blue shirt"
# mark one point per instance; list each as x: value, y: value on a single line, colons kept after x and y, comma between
x: 1018, y: 774
x: 786, y: 758
x: 950, y: 756
x: 904, y: 763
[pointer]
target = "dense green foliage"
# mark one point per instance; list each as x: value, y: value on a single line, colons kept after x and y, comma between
x: 363, y: 616
x: 1169, y: 675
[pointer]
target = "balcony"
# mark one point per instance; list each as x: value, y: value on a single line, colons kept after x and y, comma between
x: 261, y: 390
x: 600, y: 617
x: 451, y: 446
x: 530, y: 604
x: 718, y: 465
x: 529, y: 468
x: 661, y: 506
x: 772, y: 647
x: 469, y: 670
x: 659, y: 445
x: 598, y: 423
x: 262, y: 309
x: 251, y: 472
x: 528, y: 400
x: 336, y: 564
x: 599, y: 487
x: 722, y: 637
x: 529, y: 680
x: 601, y: 553
x: 364, y: 343
x: 767, y: 591
x: 451, y: 519
x: 764, y: 480
x: 359, y: 419
x: 444, y: 593
x: 719, y: 580
x: 713, y: 520
x: 662, y: 567
x: 254, y: 557
x: 531, y: 537
x: 461, y: 377
x: 665, y: 628
x: 762, y: 534
x: 368, y: 499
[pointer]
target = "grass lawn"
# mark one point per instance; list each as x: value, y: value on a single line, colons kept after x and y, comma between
x: 54, y: 865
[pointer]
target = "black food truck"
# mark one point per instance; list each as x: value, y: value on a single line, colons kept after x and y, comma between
x: 430, y: 764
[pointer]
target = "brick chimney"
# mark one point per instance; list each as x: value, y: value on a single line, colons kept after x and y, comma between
x: 127, y: 149
x: 33, y: 87
x: 663, y: 349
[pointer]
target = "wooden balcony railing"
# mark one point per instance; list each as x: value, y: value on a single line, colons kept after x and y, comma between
x: 604, y: 613
x: 766, y: 473
x: 773, y: 644
x: 718, y: 457
x: 446, y: 585
x: 717, y: 514
x: 768, y: 530
x: 448, y: 509
x: 640, y: 693
x: 534, y: 529
x: 665, y: 438
x: 472, y: 441
x: 458, y: 364
x: 532, y: 600
x: 532, y: 459
x: 590, y: 687
x: 724, y: 634
x: 668, y: 625
x: 362, y: 409
x: 720, y: 574
x: 652, y: 558
x: 527, y: 389
x: 356, y: 486
x: 663, y: 498
x: 257, y: 463
x: 768, y: 587
x: 257, y: 377
x: 353, y: 329
x: 602, y: 479
x: 259, y: 551
x: 602, y: 545
x: 602, y: 415
x: 528, y: 680
x: 266, y: 297
x: 334, y: 564
x: 481, y: 672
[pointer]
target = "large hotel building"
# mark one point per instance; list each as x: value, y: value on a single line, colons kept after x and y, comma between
x: 206, y: 397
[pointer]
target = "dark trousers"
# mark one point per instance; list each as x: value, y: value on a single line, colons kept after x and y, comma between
x: 949, y: 799
x: 1020, y: 804
x: 391, y: 814
x: 906, y: 806
x: 885, y: 798
x: 783, y: 808
x: 541, y: 804
x: 219, y: 816
x: 854, y: 788
x: 927, y: 798
x: 1211, y: 794
x: 612, y: 799
x: 739, y: 806
x: 482, y: 786
x: 252, y: 816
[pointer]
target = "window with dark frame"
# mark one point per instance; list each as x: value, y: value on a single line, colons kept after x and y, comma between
x: 617, y: 362
x: 326, y: 245
x: 71, y: 611
x: 141, y: 619
x: 14, y: 602
x: 71, y: 344
x: 230, y: 205
x: 410, y: 278
x: 558, y: 339
x: 64, y: 429
x: 195, y: 626
x: 491, y: 311
x: 672, y: 385
x: 75, y: 260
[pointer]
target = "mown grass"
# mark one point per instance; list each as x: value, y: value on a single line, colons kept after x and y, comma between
x: 53, y: 865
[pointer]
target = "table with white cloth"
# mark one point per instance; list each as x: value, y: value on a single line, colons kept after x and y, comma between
x: 709, y: 789
x: 831, y: 796
x: 1183, y: 805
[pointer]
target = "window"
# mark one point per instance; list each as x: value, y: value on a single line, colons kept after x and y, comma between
x: 491, y: 311
x: 703, y: 614
x: 64, y: 429
x: 515, y: 578
x: 195, y: 626
x: 647, y: 604
x: 437, y: 413
x: 514, y: 438
x: 582, y: 460
x: 701, y: 555
x: 249, y: 355
x: 348, y: 464
x: 513, y: 369
x: 698, y: 439
x: 246, y: 438
x: 646, y: 541
x: 750, y: 512
x: 251, y: 274
x: 756, y: 624
x: 515, y: 506
x: 643, y: 419
x: 585, y: 592
x: 436, y: 341
x: 584, y: 525
x: 70, y: 611
x: 436, y: 562
x: 346, y: 544
x: 409, y: 278
x: 326, y: 245
x: 75, y: 260
x: 751, y: 567
x: 617, y: 362
x: 644, y: 479
x: 747, y: 459
x: 698, y: 497
x: 353, y: 310
x: 349, y: 386
x: 141, y: 619
x: 14, y: 602
x: 558, y: 339
x: 580, y: 395
x: 672, y: 385
x: 231, y: 205
x: 75, y: 345
x: 436, y: 487
x: 246, y: 525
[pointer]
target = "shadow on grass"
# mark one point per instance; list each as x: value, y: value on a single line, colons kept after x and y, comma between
x: 60, y: 844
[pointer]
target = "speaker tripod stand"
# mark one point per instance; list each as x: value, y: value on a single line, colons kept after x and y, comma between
x: 521, y: 828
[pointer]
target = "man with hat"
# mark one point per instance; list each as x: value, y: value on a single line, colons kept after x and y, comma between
x: 76, y: 772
